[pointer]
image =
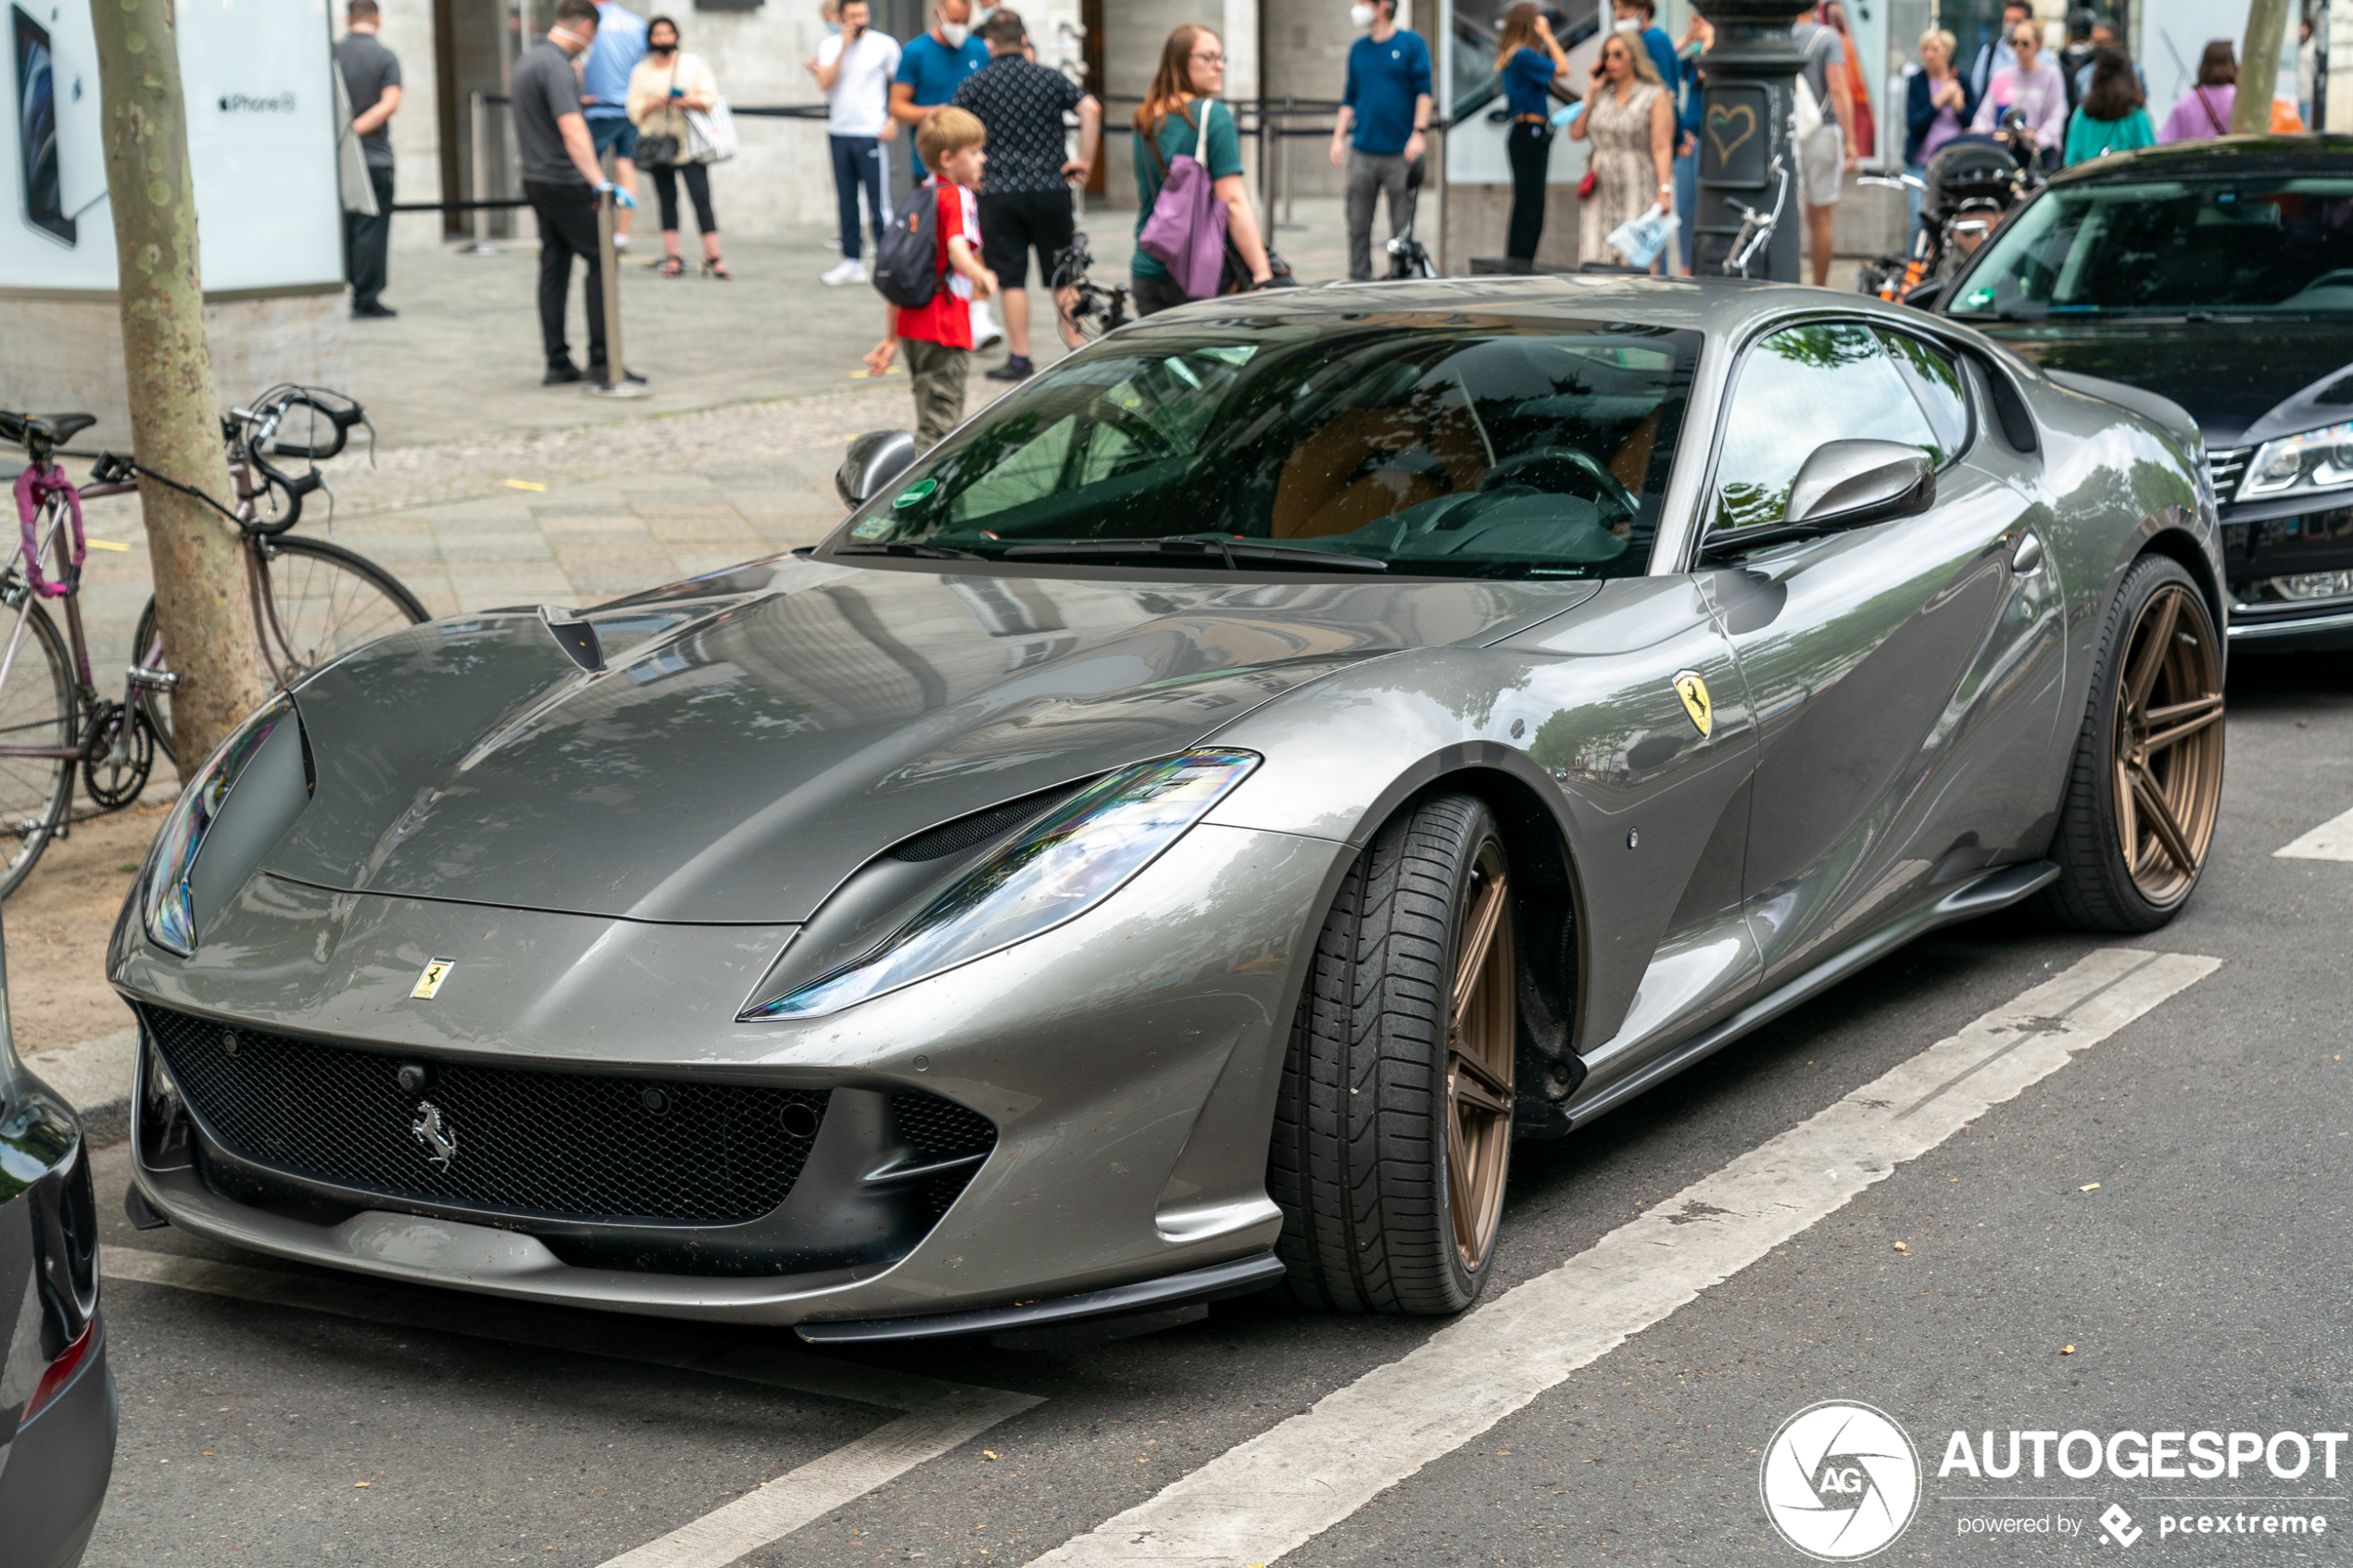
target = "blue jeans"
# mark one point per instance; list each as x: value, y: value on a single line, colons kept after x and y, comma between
x: 1912, y: 205
x: 857, y: 160
x: 1686, y: 202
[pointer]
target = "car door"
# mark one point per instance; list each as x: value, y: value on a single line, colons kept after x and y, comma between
x: 1904, y: 675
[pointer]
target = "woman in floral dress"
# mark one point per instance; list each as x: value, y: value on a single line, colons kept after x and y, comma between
x: 1630, y: 119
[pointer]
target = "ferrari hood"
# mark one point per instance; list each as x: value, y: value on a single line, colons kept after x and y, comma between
x: 745, y: 751
x: 2233, y: 377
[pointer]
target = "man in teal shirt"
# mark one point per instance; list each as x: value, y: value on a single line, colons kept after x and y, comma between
x: 1384, y: 113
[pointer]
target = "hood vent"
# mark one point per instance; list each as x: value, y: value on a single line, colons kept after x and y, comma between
x: 952, y: 838
x: 575, y: 636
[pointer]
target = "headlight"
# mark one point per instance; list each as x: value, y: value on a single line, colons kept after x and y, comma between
x: 2317, y: 459
x: 167, y: 907
x: 1082, y: 853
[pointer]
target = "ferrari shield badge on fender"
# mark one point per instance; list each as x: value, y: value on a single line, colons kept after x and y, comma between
x: 438, y: 970
x: 1694, y: 691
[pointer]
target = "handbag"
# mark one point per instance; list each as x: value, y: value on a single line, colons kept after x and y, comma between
x: 1186, y: 231
x: 1587, y: 186
x: 711, y: 133
x: 658, y: 150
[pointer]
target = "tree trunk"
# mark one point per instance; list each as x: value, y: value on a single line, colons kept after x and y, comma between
x: 203, y: 608
x: 2258, y: 68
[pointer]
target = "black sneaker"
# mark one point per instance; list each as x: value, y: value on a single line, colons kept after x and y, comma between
x: 560, y: 375
x: 1013, y: 369
x: 374, y: 313
x: 603, y: 377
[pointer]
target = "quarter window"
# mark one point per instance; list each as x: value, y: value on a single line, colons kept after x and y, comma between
x: 1803, y: 386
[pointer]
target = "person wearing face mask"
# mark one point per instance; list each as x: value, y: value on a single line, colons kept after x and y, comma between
x: 562, y: 181
x: 667, y: 84
x: 931, y: 68
x: 852, y: 67
x: 1384, y: 112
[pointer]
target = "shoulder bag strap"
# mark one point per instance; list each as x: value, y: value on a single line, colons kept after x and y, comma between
x: 2212, y: 118
x: 1201, y: 146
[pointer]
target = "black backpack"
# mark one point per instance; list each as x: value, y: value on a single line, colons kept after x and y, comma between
x: 907, y: 257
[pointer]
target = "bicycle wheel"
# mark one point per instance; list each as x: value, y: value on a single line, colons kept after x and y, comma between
x: 147, y: 650
x: 329, y: 600
x: 37, y: 708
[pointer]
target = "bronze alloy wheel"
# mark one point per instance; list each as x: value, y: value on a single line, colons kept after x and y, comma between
x: 2168, y: 746
x: 1481, y: 1044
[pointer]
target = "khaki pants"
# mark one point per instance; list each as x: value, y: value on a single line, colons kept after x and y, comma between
x: 938, y: 373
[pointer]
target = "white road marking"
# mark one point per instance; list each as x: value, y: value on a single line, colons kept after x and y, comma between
x: 2332, y: 840
x: 1260, y: 1499
x: 939, y: 1416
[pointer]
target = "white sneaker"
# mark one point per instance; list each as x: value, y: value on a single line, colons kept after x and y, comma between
x: 987, y: 334
x: 848, y: 271
x: 619, y: 241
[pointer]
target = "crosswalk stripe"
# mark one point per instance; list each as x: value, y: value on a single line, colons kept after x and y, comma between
x: 2332, y: 840
x: 1265, y: 1497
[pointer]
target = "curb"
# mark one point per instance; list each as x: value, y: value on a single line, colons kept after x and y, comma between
x: 94, y: 1077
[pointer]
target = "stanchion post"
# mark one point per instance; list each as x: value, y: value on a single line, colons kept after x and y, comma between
x: 616, y: 362
x: 476, y: 110
x: 1290, y: 184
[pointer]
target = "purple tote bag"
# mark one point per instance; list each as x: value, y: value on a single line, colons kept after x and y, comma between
x: 1186, y: 233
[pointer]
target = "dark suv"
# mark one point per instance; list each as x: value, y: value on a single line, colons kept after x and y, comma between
x: 2218, y: 275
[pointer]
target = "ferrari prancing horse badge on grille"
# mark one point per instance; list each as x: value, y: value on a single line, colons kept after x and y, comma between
x: 1694, y: 691
x: 438, y: 970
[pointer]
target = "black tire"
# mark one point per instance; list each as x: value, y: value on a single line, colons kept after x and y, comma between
x: 2158, y: 613
x: 147, y: 649
x: 40, y: 706
x: 1359, y: 1159
x: 329, y: 600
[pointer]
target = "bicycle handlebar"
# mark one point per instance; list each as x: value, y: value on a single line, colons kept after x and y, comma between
x: 341, y: 418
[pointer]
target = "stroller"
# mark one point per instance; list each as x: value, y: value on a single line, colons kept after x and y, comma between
x: 1971, y: 184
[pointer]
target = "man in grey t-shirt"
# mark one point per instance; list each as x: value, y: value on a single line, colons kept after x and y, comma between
x: 562, y: 180
x: 371, y: 78
x: 1824, y: 158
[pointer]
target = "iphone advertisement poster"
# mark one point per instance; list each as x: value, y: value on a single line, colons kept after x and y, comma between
x: 262, y: 138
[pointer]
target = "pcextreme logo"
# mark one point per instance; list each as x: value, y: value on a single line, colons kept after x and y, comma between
x: 1839, y: 1480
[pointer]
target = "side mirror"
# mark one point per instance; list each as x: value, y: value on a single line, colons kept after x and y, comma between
x: 875, y: 458
x: 1845, y: 484
x: 1849, y: 483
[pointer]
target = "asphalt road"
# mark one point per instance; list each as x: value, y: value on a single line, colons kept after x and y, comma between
x: 2202, y: 1284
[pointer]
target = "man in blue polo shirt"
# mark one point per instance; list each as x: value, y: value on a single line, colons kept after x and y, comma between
x: 604, y: 99
x: 931, y: 67
x: 1384, y: 113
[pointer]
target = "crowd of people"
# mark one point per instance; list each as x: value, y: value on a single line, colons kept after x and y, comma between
x: 993, y: 152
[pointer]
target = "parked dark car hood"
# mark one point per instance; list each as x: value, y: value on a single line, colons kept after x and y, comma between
x: 747, y: 751
x: 2242, y: 381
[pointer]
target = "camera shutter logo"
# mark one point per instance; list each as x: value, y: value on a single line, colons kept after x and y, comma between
x: 1839, y: 1480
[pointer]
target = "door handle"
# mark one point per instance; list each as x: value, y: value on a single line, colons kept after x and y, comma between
x: 2028, y: 555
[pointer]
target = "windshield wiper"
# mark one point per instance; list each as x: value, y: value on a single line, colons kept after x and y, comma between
x: 909, y: 548
x: 1234, y: 555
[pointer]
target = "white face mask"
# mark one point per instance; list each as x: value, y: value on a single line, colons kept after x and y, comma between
x: 980, y: 18
x: 1627, y: 24
x: 1360, y: 17
x: 955, y: 33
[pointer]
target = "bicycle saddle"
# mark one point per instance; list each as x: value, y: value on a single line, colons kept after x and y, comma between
x: 56, y: 428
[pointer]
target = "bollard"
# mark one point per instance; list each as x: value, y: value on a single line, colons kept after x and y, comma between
x: 616, y: 363
x: 476, y: 109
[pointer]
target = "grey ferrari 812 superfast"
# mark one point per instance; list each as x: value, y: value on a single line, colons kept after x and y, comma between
x: 1179, y: 833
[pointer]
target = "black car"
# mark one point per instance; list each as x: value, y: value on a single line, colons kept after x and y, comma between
x: 2220, y: 275
x: 58, y: 1403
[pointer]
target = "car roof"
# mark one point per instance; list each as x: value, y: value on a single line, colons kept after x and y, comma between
x: 1712, y: 305
x: 2307, y: 154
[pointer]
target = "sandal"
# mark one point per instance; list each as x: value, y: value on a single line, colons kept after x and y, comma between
x: 716, y: 266
x: 673, y: 266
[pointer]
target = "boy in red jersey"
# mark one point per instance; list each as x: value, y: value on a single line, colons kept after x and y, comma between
x: 939, y: 335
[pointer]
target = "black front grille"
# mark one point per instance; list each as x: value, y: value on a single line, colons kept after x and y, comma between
x: 2225, y: 469
x: 570, y: 1144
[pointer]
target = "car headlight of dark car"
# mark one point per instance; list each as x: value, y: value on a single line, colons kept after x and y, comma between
x: 2314, y: 460
x: 203, y: 854
x: 1068, y: 861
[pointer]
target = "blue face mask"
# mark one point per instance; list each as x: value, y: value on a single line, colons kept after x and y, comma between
x: 832, y: 30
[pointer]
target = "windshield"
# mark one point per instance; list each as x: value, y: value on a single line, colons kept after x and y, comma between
x: 1457, y: 445
x: 2270, y: 246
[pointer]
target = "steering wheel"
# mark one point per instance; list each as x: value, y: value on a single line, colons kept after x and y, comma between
x: 1604, y: 488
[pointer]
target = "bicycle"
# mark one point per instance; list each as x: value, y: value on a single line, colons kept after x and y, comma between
x: 1756, y: 228
x: 1092, y: 310
x: 313, y: 601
